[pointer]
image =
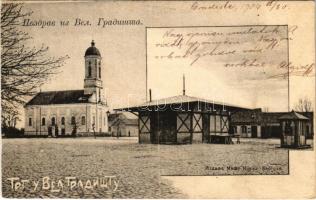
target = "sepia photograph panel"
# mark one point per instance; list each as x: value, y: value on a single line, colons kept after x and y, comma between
x: 118, y: 99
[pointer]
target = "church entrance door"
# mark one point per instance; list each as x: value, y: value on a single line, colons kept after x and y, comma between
x: 50, y: 131
x: 63, y: 131
x: 53, y: 128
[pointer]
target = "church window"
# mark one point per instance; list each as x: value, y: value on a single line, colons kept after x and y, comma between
x: 63, y: 121
x: 83, y: 120
x: 89, y: 70
x: 93, y: 123
x: 53, y: 121
x: 99, y: 94
x: 73, y: 120
x: 30, y: 121
x: 99, y: 72
x: 43, y: 121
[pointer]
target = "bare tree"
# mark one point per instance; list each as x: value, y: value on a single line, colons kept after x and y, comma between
x: 76, y: 122
x: 10, y: 118
x: 23, y: 68
x: 304, y: 105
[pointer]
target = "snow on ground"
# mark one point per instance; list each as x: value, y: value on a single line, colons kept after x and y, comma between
x: 136, y: 168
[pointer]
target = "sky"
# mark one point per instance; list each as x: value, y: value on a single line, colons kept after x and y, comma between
x: 123, y: 50
x: 242, y: 77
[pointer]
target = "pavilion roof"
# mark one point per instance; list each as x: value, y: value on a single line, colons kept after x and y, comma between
x: 293, y: 115
x: 175, y: 100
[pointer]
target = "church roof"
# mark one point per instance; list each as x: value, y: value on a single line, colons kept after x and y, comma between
x: 92, y: 51
x: 59, y: 97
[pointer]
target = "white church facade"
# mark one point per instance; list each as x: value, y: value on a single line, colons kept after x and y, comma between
x: 71, y: 112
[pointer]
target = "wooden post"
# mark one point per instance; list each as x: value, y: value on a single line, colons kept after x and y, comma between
x: 220, y: 121
x: 205, y: 127
x: 40, y: 120
x: 296, y: 142
x: 304, y: 129
x: 209, y: 127
x: 215, y: 124
x: 282, y: 124
x: 191, y: 126
x: 139, y: 115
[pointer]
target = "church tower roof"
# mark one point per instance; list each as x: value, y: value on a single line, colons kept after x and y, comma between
x: 92, y: 51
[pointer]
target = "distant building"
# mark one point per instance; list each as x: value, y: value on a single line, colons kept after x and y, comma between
x: 122, y: 126
x: 247, y: 123
x: 71, y: 112
x: 258, y: 124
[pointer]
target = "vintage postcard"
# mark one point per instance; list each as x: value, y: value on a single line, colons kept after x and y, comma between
x: 158, y: 99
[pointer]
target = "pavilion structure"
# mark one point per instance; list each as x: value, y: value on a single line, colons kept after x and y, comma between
x: 184, y: 120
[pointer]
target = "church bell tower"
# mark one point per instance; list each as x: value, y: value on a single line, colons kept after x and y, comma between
x: 93, y: 76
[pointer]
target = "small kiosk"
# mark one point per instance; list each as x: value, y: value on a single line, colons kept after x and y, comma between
x: 293, y: 127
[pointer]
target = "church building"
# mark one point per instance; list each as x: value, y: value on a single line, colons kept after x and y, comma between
x: 71, y: 112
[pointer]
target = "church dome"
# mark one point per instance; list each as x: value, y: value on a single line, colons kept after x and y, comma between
x: 92, y: 51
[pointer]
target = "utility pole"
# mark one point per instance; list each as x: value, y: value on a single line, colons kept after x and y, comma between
x: 183, y: 78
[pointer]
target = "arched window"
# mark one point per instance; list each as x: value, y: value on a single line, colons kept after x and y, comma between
x: 73, y: 120
x: 83, y: 120
x: 63, y: 121
x: 99, y: 72
x: 53, y: 121
x: 99, y: 94
x: 93, y: 123
x: 89, y: 70
x: 30, y: 121
x: 43, y: 121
